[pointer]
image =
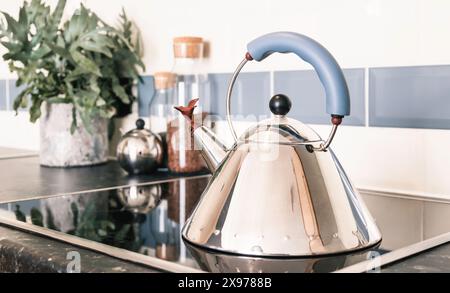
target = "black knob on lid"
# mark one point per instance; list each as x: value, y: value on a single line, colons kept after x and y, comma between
x: 280, y: 104
x: 140, y: 124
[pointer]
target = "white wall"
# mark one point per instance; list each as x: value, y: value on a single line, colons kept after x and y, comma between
x: 359, y: 33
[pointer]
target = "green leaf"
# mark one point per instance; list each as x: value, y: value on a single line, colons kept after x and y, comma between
x: 36, y: 40
x: 98, y: 45
x: 120, y: 92
x: 37, y: 11
x: 85, y: 118
x: 50, y: 220
x: 20, y: 100
x: 35, y: 110
x: 100, y: 102
x: 73, y: 127
x: 102, y: 232
x: 12, y: 47
x: 122, y: 233
x: 15, y: 27
x: 40, y: 53
x: 23, y: 18
x: 110, y: 225
x: 58, y: 100
x: 61, y: 51
x: 77, y: 24
x: 58, y: 12
x: 139, y: 51
x: 19, y: 214
x: 36, y: 217
x: 94, y: 86
x: 75, y: 213
x: 85, y: 63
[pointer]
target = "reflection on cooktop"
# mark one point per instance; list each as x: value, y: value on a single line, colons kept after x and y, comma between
x: 147, y: 219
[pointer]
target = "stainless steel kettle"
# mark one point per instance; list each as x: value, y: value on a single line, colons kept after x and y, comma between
x: 280, y: 191
x: 140, y: 151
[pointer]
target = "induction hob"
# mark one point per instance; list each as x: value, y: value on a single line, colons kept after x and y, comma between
x: 142, y: 223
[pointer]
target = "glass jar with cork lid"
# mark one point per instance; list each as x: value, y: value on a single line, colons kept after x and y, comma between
x: 161, y: 107
x: 191, y: 82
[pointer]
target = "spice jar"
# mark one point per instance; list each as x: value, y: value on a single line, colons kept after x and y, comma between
x: 191, y: 82
x: 161, y: 107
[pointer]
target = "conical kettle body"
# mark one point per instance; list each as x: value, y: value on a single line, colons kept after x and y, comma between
x: 280, y: 199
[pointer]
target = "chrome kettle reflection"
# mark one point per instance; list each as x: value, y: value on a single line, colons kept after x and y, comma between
x: 280, y: 191
x: 140, y: 199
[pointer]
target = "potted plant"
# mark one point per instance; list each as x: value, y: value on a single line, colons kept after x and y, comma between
x: 75, y: 76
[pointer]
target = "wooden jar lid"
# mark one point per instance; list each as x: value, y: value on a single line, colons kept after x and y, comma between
x: 188, y: 47
x: 164, y: 80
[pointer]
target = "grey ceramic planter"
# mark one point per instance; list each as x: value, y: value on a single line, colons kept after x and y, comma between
x: 60, y: 148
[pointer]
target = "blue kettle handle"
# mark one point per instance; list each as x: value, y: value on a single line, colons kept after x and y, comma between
x: 328, y: 70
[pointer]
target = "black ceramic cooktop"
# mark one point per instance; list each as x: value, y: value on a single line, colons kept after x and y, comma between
x: 147, y: 219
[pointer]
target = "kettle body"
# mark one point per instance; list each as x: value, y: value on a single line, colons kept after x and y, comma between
x: 278, y: 198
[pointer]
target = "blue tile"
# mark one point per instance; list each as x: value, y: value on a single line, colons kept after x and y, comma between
x: 145, y: 94
x: 251, y: 94
x: 308, y: 96
x: 3, y: 96
x: 14, y: 91
x: 411, y: 97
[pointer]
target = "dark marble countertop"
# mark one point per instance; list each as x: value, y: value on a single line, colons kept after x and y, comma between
x: 435, y: 260
x: 25, y: 252
x: 26, y: 179
x: 23, y: 178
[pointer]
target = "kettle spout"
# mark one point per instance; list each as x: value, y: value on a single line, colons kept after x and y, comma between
x: 213, y: 150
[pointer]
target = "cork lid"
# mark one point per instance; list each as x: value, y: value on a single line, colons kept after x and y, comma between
x: 164, y: 80
x: 188, y: 47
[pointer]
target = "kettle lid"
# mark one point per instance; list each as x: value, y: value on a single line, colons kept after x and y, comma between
x: 139, y: 131
x: 280, y: 129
